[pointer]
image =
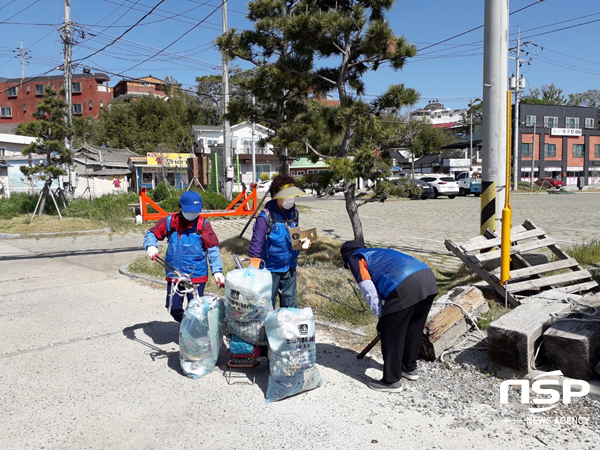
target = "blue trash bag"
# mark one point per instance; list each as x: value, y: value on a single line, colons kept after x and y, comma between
x: 201, y: 334
x: 248, y: 293
x: 292, y: 353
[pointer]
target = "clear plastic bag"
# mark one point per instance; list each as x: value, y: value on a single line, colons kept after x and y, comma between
x: 248, y: 302
x: 292, y: 353
x: 201, y: 334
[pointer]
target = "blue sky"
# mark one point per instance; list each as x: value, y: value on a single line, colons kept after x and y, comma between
x: 563, y: 36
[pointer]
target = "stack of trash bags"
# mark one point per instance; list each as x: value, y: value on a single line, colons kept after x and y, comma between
x: 200, y: 335
x: 247, y: 315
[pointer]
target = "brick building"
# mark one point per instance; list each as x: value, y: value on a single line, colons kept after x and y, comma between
x: 566, y: 145
x: 127, y: 89
x: 19, y: 96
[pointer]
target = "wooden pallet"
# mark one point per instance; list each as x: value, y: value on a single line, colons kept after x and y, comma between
x: 525, y: 279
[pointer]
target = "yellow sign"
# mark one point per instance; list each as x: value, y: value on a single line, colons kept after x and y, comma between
x: 168, y: 159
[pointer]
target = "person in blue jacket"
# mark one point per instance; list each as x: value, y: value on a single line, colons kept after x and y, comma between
x: 271, y: 241
x: 400, y: 290
x: 191, y: 244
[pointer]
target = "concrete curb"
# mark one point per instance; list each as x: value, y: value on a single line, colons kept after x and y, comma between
x: 58, y: 233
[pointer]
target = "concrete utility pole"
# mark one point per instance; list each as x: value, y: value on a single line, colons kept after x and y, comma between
x: 517, y: 83
x: 227, y: 165
x: 253, y: 152
x: 532, y: 157
x: 68, y: 43
x: 495, y: 68
x: 22, y: 53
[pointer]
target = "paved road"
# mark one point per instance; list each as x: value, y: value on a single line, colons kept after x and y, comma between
x: 89, y: 358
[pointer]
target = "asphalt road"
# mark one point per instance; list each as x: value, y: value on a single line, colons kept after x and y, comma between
x: 89, y: 358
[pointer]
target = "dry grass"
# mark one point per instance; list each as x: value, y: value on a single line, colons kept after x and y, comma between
x: 47, y: 224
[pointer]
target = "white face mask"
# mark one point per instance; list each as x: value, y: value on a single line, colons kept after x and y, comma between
x: 190, y: 216
x: 288, y: 203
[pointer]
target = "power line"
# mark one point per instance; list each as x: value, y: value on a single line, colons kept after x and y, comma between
x: 123, y: 34
x: 27, y: 7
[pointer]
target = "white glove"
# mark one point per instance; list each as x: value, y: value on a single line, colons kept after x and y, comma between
x: 219, y: 279
x: 152, y: 252
x: 305, y: 243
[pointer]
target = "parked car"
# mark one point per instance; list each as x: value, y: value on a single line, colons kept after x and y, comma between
x: 442, y: 185
x: 426, y: 191
x: 263, y: 186
x: 549, y: 182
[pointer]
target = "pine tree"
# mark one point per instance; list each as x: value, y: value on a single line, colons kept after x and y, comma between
x: 319, y: 46
x: 51, y: 130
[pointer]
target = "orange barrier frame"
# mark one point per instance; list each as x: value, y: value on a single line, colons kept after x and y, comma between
x: 246, y: 208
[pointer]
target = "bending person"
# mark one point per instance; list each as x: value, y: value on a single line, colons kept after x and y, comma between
x: 399, y: 290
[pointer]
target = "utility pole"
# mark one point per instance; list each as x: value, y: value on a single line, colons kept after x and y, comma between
x: 227, y: 165
x: 22, y: 52
x: 495, y: 68
x: 517, y: 83
x: 471, y: 102
x: 532, y: 157
x: 68, y: 43
x: 253, y: 152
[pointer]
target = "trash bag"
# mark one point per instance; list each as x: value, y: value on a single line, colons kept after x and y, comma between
x: 292, y: 353
x: 248, y: 293
x: 201, y: 334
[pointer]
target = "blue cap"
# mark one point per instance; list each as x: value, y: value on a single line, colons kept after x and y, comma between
x: 190, y: 201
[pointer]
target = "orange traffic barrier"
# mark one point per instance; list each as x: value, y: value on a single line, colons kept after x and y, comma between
x: 247, y: 206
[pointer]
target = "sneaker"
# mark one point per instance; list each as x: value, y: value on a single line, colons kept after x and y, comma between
x: 413, y: 375
x: 386, y: 387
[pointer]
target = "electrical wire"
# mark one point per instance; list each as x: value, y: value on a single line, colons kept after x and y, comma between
x: 26, y: 8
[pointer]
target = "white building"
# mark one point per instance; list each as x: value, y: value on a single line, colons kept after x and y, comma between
x: 13, y: 144
x: 436, y: 114
x: 209, y: 140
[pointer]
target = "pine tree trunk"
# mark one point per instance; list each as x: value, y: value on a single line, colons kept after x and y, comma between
x: 352, y: 209
x: 44, y: 195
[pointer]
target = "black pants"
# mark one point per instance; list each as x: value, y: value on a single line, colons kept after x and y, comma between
x: 401, y: 335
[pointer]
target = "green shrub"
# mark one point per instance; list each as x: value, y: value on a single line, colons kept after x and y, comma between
x: 18, y: 203
x: 210, y: 200
x: 273, y: 175
x: 402, y: 187
x: 112, y: 209
x: 162, y: 192
x: 264, y: 177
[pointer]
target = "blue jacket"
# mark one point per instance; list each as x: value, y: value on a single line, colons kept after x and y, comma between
x: 275, y: 247
x: 187, y: 251
x: 388, y: 268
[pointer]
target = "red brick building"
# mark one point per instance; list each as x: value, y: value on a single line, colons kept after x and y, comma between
x: 19, y: 96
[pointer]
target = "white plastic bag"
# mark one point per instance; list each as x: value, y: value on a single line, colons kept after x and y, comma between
x: 201, y: 334
x: 292, y: 355
x: 248, y: 302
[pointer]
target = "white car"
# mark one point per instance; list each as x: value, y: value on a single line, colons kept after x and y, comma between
x: 263, y: 186
x: 442, y: 185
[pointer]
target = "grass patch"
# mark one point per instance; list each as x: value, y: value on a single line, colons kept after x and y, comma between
x: 23, y: 224
x: 449, y: 279
x: 494, y: 313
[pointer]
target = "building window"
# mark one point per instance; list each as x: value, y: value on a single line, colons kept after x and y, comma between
x: 211, y: 141
x: 549, y: 150
x: 27, y: 89
x: 101, y: 104
x: 60, y: 86
x: 39, y: 89
x: 90, y: 104
x: 77, y: 108
x: 12, y: 91
x: 577, y: 150
x: 551, y: 122
x: 526, y: 150
x: 24, y: 107
x: 144, y: 83
x: 529, y: 121
x: 572, y: 122
x: 2, y: 151
x: 263, y: 168
x: 76, y: 87
x: 5, y: 111
x: 589, y: 122
x: 597, y: 151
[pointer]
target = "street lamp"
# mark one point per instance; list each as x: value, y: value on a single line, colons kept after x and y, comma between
x: 471, y: 133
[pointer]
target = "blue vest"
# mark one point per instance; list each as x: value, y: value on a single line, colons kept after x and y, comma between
x: 388, y: 268
x: 186, y: 252
x: 277, y: 252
